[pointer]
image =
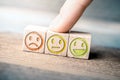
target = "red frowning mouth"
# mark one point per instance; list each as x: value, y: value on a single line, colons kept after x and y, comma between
x: 33, y: 44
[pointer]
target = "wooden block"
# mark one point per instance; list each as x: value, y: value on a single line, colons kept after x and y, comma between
x: 79, y: 45
x: 34, y: 38
x: 56, y: 43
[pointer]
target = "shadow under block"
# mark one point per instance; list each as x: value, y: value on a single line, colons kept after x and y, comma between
x: 79, y: 45
x: 56, y: 43
x: 34, y: 38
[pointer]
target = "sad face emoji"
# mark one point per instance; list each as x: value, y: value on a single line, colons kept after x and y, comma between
x: 56, y: 44
x: 78, y: 47
x: 33, y: 41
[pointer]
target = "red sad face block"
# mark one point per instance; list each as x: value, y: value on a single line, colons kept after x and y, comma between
x: 33, y: 41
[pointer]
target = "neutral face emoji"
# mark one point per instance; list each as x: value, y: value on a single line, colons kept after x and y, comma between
x: 78, y: 47
x: 56, y: 44
x: 33, y: 41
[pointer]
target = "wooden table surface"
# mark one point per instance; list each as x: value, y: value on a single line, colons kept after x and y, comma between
x: 15, y: 64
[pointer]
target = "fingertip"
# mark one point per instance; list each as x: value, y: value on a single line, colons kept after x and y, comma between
x: 58, y: 29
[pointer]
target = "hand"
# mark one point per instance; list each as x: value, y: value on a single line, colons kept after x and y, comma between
x: 69, y: 14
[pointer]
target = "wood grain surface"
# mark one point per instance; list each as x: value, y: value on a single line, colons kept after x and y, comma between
x: 104, y: 63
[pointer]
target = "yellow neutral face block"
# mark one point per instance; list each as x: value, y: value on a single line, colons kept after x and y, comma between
x: 56, y: 43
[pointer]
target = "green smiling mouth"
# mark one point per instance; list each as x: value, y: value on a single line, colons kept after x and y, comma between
x: 79, y: 52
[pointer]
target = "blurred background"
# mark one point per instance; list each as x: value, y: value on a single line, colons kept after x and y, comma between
x: 102, y: 18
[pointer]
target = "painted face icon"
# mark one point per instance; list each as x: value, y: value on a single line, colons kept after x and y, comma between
x: 56, y: 44
x: 78, y: 47
x: 33, y: 41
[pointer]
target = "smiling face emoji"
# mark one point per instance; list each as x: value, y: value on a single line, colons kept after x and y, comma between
x: 78, y: 47
x: 56, y: 44
x: 33, y: 41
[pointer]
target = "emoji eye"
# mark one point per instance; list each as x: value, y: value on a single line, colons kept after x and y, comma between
x: 74, y: 43
x: 82, y: 45
x: 53, y: 41
x: 37, y: 39
x: 30, y: 38
x: 60, y: 41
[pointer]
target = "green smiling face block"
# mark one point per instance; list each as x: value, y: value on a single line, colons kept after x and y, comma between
x: 78, y: 47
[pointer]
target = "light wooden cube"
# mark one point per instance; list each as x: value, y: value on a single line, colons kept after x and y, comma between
x: 56, y: 43
x: 79, y: 45
x: 34, y: 38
